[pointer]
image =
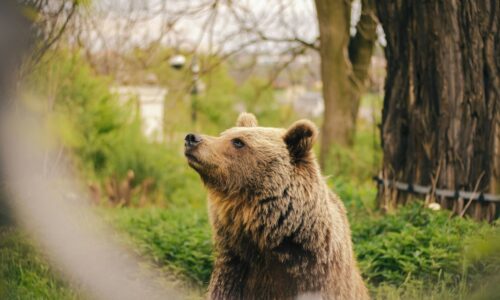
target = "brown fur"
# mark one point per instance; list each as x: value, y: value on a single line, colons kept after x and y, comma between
x: 279, y: 232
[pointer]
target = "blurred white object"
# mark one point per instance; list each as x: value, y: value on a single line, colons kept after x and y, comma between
x: 434, y: 206
x: 177, y: 61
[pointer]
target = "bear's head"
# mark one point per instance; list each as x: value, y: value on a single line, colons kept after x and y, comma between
x: 250, y: 161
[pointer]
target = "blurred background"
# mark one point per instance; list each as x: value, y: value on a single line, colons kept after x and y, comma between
x: 406, y: 93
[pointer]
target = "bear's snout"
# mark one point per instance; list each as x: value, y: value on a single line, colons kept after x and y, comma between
x: 191, y: 140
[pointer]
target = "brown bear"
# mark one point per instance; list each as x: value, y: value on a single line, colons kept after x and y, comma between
x: 279, y: 232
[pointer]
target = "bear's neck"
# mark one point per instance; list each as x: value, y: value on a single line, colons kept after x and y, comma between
x: 275, y: 222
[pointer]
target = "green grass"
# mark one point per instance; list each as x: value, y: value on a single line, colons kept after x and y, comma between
x: 415, y: 253
x: 25, y: 273
x: 178, y: 239
x: 423, y: 251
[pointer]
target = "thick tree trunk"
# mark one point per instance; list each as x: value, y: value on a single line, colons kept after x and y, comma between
x: 344, y: 67
x: 440, y: 121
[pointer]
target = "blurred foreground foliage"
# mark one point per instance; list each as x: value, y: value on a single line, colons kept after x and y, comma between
x: 25, y: 273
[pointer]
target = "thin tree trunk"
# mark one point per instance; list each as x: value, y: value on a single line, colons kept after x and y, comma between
x: 360, y: 53
x: 442, y: 101
x: 344, y: 67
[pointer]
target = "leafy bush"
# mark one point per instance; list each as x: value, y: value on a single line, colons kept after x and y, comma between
x: 105, y: 137
x: 415, y: 243
x: 410, y: 254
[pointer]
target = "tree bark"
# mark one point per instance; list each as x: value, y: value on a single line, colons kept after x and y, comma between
x: 360, y: 53
x: 344, y: 68
x: 440, y: 120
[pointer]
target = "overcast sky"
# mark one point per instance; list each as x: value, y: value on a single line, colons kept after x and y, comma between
x: 192, y: 27
x: 200, y: 28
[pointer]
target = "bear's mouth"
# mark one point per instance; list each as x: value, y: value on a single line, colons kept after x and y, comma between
x: 203, y: 168
x: 193, y: 161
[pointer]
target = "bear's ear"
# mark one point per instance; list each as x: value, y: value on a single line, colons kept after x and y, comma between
x: 299, y: 139
x: 246, y: 120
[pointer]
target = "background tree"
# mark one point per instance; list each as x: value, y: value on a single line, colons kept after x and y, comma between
x: 49, y: 20
x: 344, y: 67
x: 279, y: 32
x: 440, y: 121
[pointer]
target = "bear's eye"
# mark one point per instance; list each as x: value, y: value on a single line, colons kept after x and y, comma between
x: 237, y: 143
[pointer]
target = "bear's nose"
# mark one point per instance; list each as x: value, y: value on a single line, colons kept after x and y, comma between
x: 192, y: 140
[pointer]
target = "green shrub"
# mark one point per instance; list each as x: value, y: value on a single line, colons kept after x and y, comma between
x: 104, y: 136
x: 415, y: 243
x: 410, y: 255
x: 177, y: 238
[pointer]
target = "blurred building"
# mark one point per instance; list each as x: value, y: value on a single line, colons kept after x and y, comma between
x: 151, y: 106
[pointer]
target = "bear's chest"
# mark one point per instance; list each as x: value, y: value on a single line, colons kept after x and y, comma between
x: 269, y: 277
